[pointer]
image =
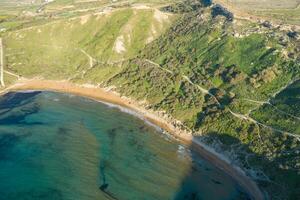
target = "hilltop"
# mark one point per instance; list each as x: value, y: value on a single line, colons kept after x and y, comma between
x: 65, y: 41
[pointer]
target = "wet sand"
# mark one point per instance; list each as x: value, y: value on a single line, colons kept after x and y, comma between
x: 111, y: 97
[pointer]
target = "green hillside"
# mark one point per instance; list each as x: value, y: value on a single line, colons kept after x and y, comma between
x: 233, y: 83
x: 282, y: 111
x: 214, y: 76
x: 64, y: 47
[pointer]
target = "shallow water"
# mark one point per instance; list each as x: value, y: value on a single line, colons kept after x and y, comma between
x: 60, y: 146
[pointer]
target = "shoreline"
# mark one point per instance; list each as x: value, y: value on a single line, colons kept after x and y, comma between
x: 106, y: 95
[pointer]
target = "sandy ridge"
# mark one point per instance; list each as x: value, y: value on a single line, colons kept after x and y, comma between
x: 106, y: 95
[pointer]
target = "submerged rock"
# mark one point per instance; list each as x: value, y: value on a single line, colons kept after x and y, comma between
x: 103, y: 187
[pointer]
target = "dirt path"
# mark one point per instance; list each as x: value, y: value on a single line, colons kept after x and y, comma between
x: 157, y: 65
x: 12, y: 74
x: 91, y: 59
x: 285, y: 113
x: 1, y: 64
x: 255, y: 101
x: 236, y: 115
x: 248, y: 118
x: 204, y: 91
x: 268, y: 102
x: 261, y: 103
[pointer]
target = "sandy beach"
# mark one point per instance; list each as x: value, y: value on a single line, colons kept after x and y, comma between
x: 108, y: 96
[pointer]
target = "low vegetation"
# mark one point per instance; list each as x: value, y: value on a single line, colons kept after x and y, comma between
x: 233, y: 83
x: 241, y: 68
x: 65, y: 47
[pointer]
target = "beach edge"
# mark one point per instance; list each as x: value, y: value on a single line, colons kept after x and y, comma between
x: 107, y: 96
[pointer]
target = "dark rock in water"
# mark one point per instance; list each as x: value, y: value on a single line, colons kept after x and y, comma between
x: 63, y: 131
x: 18, y: 117
x: 194, y: 168
x: 132, y: 141
x: 102, y: 171
x: 7, y: 141
x: 13, y: 99
x: 112, y: 135
x: 216, y: 182
x: 194, y: 196
x: 191, y: 196
x: 103, y: 187
x: 108, y: 194
x: 207, y: 169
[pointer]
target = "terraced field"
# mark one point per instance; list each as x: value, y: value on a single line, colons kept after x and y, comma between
x: 265, y: 4
x: 287, y: 11
x: 291, y: 16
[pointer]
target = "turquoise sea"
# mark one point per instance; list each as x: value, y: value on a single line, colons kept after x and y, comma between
x: 64, y: 147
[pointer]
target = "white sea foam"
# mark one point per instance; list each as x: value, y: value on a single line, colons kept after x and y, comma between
x: 27, y: 91
x: 167, y: 136
x: 183, y: 152
x: 140, y: 116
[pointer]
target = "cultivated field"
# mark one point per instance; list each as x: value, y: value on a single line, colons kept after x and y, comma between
x: 283, y: 11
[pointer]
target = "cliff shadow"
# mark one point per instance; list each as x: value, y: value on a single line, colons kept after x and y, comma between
x: 205, y: 180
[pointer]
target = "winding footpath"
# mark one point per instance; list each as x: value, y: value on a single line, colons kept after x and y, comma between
x: 160, y: 67
x: 268, y: 102
x: 236, y: 115
x: 261, y: 103
x: 12, y: 74
x: 1, y: 64
x: 91, y: 59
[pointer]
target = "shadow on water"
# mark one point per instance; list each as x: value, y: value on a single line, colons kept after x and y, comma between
x: 7, y: 141
x: 205, y: 181
x: 15, y: 107
x: 201, y: 181
x: 16, y: 99
x: 104, y: 185
x: 276, y: 185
